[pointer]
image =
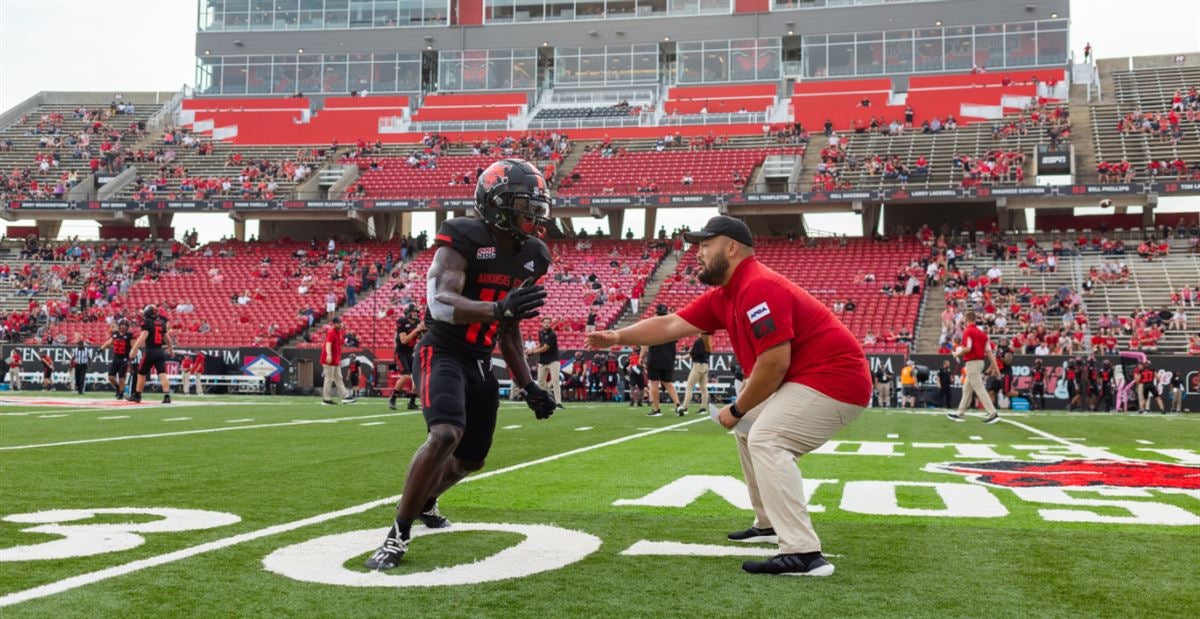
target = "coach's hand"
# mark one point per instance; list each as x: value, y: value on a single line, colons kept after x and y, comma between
x: 521, y: 303
x: 539, y: 400
x: 601, y: 339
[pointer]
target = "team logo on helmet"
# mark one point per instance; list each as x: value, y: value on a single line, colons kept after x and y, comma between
x: 495, y: 175
x: 1075, y: 473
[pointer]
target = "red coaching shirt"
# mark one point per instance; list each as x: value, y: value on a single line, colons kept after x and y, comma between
x: 334, y: 337
x: 976, y: 343
x: 761, y: 309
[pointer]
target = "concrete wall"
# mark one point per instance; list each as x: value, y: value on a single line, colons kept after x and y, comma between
x: 649, y: 30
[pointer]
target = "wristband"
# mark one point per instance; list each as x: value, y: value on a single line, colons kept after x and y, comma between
x: 733, y: 410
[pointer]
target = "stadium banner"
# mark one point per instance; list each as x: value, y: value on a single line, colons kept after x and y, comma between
x: 1056, y: 368
x: 218, y: 360
x: 634, y: 201
x: 720, y: 366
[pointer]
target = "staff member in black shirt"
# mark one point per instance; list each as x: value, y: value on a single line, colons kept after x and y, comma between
x: 944, y: 379
x: 660, y: 369
x: 698, y: 376
x: 549, y: 366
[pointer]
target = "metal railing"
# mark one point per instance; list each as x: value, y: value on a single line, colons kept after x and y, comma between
x: 585, y: 123
x: 169, y: 109
x: 442, y: 126
x: 736, y: 118
x: 633, y: 97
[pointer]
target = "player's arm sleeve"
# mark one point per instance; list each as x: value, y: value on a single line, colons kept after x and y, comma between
x: 445, y: 281
x: 512, y: 348
x: 699, y: 313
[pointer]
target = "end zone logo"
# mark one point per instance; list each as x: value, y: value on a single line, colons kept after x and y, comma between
x: 1075, y: 474
x: 485, y: 253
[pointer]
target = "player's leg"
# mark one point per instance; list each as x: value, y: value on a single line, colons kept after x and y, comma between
x: 472, y: 450
x: 441, y: 381
x: 703, y: 389
x: 797, y: 420
x: 160, y: 366
x: 669, y: 383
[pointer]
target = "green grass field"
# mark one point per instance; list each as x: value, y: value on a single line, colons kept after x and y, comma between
x: 276, y: 478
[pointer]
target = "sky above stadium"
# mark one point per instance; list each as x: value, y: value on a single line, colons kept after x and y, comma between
x: 144, y: 45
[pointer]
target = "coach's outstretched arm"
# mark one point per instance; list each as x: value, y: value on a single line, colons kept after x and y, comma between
x: 444, y: 286
x: 649, y: 332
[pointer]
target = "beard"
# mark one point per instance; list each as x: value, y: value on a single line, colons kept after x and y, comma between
x: 714, y: 273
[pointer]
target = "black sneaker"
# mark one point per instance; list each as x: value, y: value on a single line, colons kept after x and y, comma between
x: 681, y: 410
x: 136, y: 398
x: 349, y: 400
x: 412, y: 405
x: 955, y: 417
x: 328, y: 403
x: 807, y: 564
x: 167, y: 399
x: 754, y: 535
x: 993, y: 418
x: 120, y: 396
x: 654, y: 412
x: 433, y: 518
x: 392, y: 403
x: 388, y: 555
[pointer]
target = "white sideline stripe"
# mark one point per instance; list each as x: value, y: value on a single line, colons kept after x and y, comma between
x: 177, y: 419
x: 298, y: 422
x: 373, y: 423
x: 51, y: 416
x: 511, y: 427
x: 114, y: 417
x: 1058, y: 439
x: 74, y: 582
x: 583, y: 428
x: 247, y: 420
x: 647, y: 548
x: 1142, y: 441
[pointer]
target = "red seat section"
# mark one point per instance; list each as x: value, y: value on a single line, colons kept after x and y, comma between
x: 225, y: 104
x: 711, y: 170
x: 398, y: 102
x: 491, y: 106
x: 828, y: 272
x: 395, y: 178
x: 720, y: 99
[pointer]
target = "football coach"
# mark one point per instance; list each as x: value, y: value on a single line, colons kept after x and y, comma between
x: 808, y: 377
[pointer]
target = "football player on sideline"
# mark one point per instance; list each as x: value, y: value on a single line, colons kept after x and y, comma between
x: 408, y: 329
x: 155, y: 338
x: 121, y: 342
x: 479, y: 287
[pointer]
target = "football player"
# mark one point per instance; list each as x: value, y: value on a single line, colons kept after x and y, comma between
x: 157, y: 341
x: 480, y: 286
x: 121, y: 342
x: 409, y: 328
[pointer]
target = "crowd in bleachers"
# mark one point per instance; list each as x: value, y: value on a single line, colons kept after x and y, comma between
x: 249, y: 178
x: 1167, y: 124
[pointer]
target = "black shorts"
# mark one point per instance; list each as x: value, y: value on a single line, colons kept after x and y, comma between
x: 908, y: 390
x: 610, y: 380
x: 404, y: 361
x: 119, y: 366
x: 1150, y: 390
x: 661, y: 374
x: 637, y: 379
x: 446, y: 382
x: 46, y: 374
x: 155, y: 358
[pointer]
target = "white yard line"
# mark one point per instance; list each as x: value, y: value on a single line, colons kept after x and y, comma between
x: 113, y: 417
x: 178, y: 419
x: 1095, y: 452
x: 1142, y: 441
x: 373, y: 423
x: 583, y: 428
x: 511, y: 427
x: 247, y: 420
x: 75, y: 582
x: 893, y: 436
x: 298, y: 422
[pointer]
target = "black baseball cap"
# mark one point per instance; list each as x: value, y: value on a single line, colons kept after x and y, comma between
x: 723, y: 225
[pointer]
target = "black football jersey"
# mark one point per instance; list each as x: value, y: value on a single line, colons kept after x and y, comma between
x: 156, y: 332
x: 121, y: 343
x: 404, y: 326
x: 490, y: 276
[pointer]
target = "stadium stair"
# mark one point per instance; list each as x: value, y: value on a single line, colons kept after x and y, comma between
x: 655, y: 284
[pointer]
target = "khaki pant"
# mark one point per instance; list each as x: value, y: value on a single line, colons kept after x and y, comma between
x: 550, y: 378
x: 795, y: 420
x: 975, y: 385
x: 14, y: 378
x: 697, y: 377
x: 883, y: 394
x: 1176, y: 399
x: 333, y: 377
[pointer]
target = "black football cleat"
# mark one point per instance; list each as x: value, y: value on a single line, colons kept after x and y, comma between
x: 807, y: 564
x: 388, y: 555
x: 754, y: 535
x: 993, y: 418
x: 136, y: 398
x: 955, y: 417
x: 167, y: 399
x: 392, y: 403
x: 433, y: 518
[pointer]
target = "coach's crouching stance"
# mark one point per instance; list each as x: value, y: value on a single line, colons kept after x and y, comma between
x: 808, y: 377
